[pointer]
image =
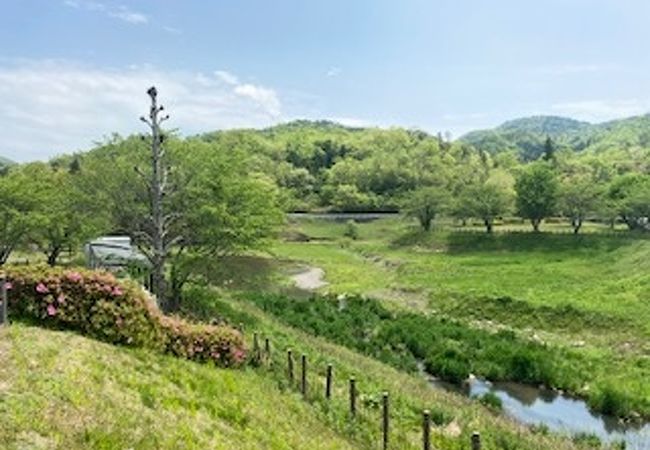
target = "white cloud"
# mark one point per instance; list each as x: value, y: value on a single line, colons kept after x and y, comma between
x: 50, y: 107
x: 266, y: 98
x: 333, y: 72
x: 226, y: 77
x: 602, y: 110
x: 354, y: 122
x: 125, y: 14
x: 120, y: 12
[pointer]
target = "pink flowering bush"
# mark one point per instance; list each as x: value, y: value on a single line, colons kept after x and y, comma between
x: 98, y: 305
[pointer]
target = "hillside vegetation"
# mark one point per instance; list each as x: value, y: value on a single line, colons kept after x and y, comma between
x: 527, y: 136
x: 59, y: 390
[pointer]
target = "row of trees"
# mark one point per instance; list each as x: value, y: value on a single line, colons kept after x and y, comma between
x: 539, y: 191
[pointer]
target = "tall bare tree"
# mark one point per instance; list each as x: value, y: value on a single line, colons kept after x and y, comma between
x: 155, y: 238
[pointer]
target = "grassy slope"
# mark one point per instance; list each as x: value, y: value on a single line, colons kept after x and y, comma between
x: 455, y: 417
x: 589, y: 293
x: 60, y: 390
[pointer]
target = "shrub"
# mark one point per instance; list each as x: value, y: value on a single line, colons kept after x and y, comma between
x: 611, y: 401
x: 351, y: 230
x: 97, y: 305
x: 491, y: 400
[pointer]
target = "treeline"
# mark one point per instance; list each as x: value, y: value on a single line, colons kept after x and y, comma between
x: 231, y: 187
x: 325, y: 166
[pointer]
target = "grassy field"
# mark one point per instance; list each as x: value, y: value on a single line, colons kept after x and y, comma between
x: 587, y: 293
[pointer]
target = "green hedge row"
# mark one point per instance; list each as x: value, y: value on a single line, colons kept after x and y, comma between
x: 98, y: 305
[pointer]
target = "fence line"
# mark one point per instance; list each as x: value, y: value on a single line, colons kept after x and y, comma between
x: 353, y: 396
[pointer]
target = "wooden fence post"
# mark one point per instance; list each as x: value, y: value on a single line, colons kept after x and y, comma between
x: 476, y: 441
x: 385, y: 422
x: 353, y: 397
x: 3, y: 298
x: 290, y: 366
x: 257, y: 351
x: 328, y: 382
x: 303, y: 375
x: 426, y: 429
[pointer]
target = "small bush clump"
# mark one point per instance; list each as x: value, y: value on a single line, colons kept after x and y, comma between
x: 97, y: 305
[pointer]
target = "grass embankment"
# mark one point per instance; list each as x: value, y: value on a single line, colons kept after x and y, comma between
x: 60, y: 390
x: 454, y: 417
x: 587, y: 294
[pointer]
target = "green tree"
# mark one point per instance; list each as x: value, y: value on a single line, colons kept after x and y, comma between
x: 579, y: 197
x: 630, y: 196
x: 487, y: 201
x: 424, y: 204
x: 537, y: 193
x: 549, y: 149
x: 19, y: 197
x: 61, y: 219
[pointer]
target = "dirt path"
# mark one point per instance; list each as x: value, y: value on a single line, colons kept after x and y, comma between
x: 310, y: 279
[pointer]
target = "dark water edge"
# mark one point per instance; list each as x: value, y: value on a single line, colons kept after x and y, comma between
x: 560, y: 413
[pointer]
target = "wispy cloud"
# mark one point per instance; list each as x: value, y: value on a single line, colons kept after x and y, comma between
x: 333, y: 72
x: 601, y: 110
x: 576, y: 69
x: 50, y: 107
x: 120, y: 12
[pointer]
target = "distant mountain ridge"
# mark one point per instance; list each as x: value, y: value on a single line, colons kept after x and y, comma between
x: 6, y: 161
x: 528, y: 135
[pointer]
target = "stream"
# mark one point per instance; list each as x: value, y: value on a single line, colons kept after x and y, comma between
x: 560, y: 413
x: 527, y: 404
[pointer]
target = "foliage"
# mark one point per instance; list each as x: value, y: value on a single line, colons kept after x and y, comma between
x: 98, y: 305
x: 425, y: 204
x: 351, y: 230
x: 491, y: 400
x: 630, y: 196
x: 63, y: 222
x: 218, y: 207
x: 19, y: 198
x: 579, y: 197
x: 487, y: 202
x: 536, y: 193
x: 448, y: 349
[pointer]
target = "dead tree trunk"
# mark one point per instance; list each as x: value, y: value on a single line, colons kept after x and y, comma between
x: 157, y: 232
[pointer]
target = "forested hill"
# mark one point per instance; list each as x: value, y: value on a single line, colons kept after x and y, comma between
x: 4, y: 162
x: 323, y: 164
x: 527, y: 136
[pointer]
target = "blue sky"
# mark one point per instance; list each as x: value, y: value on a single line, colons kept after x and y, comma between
x: 73, y: 71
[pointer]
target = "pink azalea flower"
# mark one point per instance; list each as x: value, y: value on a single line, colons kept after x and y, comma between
x: 74, y: 276
x: 42, y: 289
x: 51, y: 310
x: 61, y: 299
x: 117, y: 291
x: 239, y: 355
x: 8, y: 285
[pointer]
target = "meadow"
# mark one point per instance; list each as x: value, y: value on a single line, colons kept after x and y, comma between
x: 584, y: 295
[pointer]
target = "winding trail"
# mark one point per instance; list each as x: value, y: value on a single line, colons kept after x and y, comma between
x: 310, y: 279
